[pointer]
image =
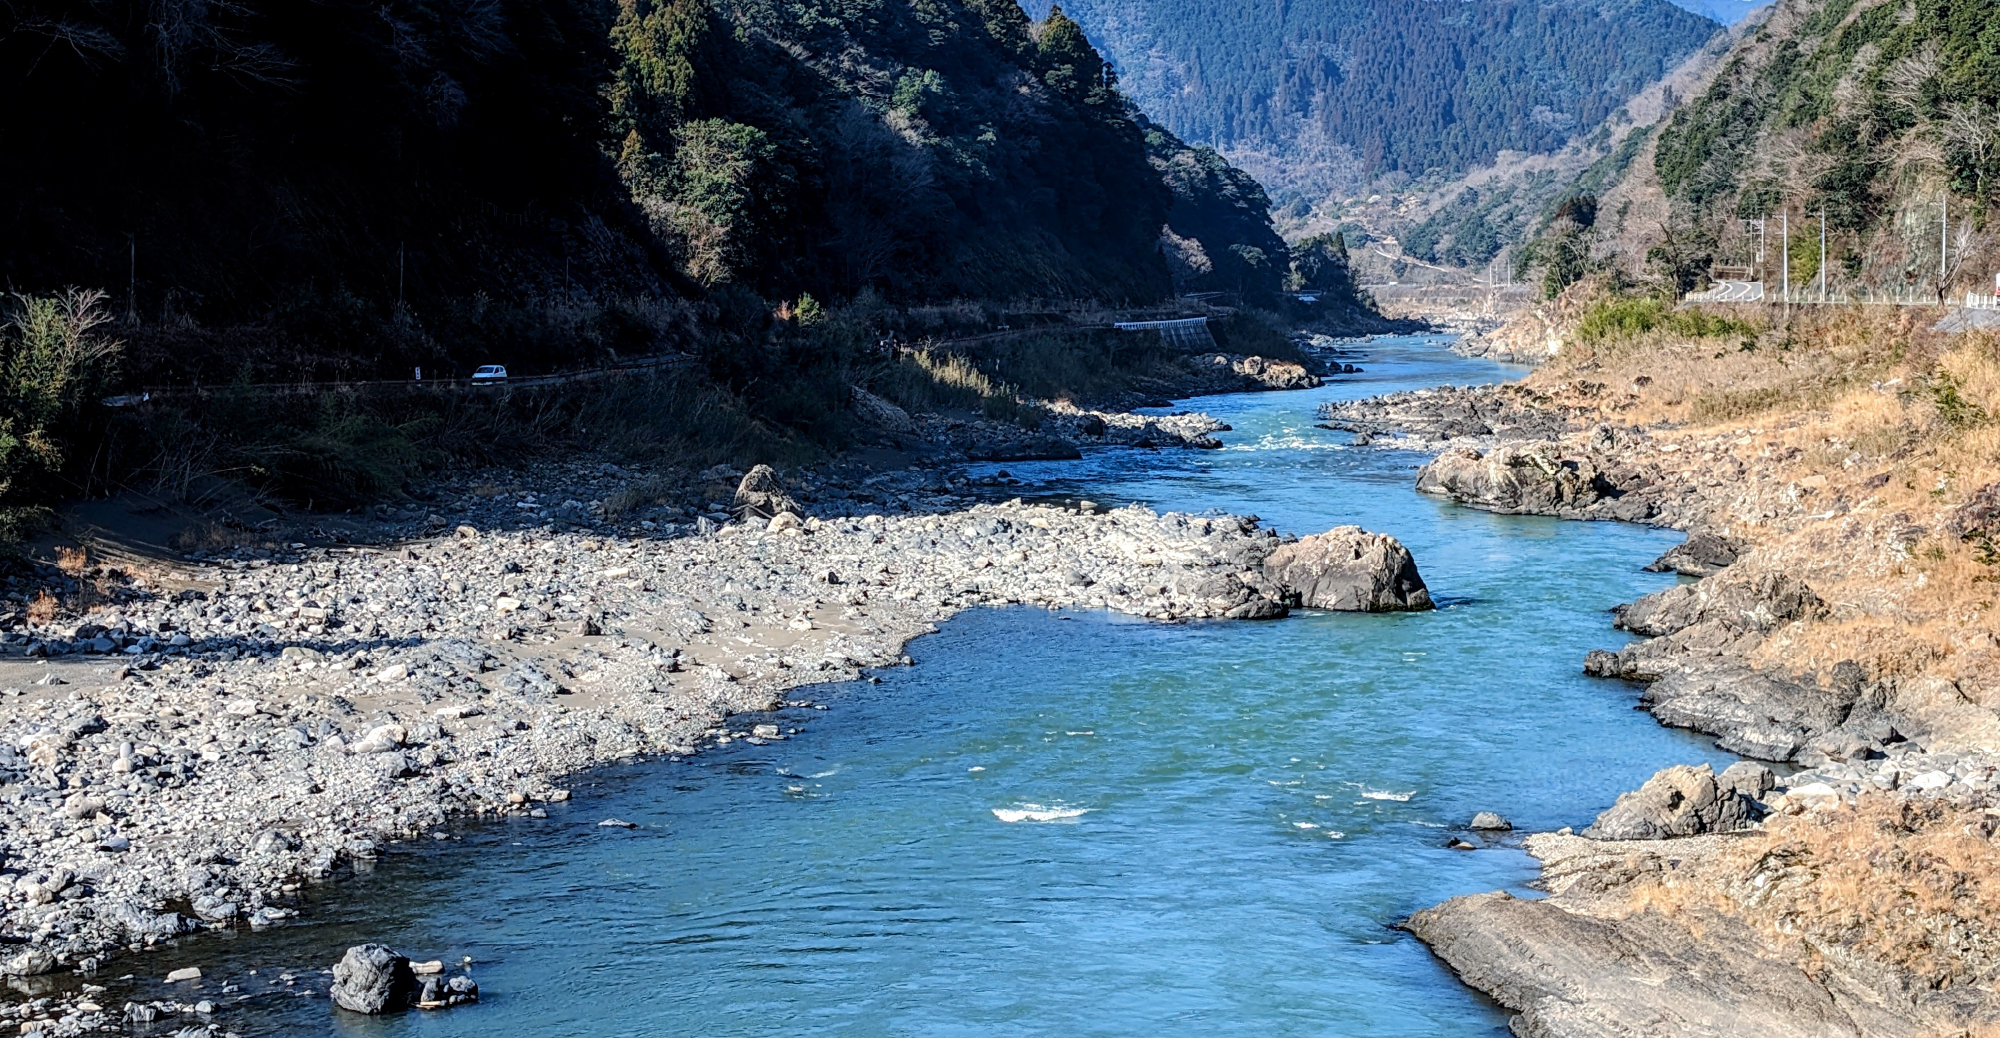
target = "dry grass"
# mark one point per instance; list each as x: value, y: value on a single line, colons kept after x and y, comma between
x: 1857, y: 432
x: 1839, y: 446
x: 1911, y: 885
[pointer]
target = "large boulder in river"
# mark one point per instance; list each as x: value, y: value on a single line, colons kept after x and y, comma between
x: 1533, y: 478
x: 1676, y: 801
x: 760, y: 496
x: 1348, y: 568
x: 371, y: 978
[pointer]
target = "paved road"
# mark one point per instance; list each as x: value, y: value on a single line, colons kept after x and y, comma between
x: 1731, y: 292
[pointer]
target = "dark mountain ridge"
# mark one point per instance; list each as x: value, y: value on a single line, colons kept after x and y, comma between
x: 356, y: 187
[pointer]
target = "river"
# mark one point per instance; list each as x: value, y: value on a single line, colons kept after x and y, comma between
x: 1063, y: 824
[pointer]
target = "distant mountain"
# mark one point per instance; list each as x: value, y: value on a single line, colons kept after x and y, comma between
x: 1295, y: 89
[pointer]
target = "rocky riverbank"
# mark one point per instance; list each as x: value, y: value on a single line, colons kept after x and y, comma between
x: 212, y: 737
x: 1839, y: 626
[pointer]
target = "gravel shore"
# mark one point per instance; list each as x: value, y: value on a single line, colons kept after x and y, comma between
x: 233, y: 731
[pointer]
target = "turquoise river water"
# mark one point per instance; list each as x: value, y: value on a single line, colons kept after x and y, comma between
x: 1233, y: 815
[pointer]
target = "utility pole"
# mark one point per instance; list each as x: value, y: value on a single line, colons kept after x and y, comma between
x: 399, y: 275
x: 1822, y: 254
x: 132, y: 292
x: 1944, y: 227
x: 1785, y: 245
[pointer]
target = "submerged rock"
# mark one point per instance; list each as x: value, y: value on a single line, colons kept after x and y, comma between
x: 1348, y: 568
x: 1676, y: 801
x: 371, y: 978
x: 440, y: 992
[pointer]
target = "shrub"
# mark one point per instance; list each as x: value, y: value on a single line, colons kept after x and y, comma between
x: 53, y: 366
x: 1628, y: 317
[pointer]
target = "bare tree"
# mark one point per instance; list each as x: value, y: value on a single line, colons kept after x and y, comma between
x: 1974, y: 129
x: 186, y: 30
x: 1904, y: 81
x: 1793, y: 164
x: 1186, y: 259
x: 1954, y: 259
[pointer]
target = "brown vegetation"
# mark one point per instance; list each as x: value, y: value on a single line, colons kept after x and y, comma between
x: 1841, y: 443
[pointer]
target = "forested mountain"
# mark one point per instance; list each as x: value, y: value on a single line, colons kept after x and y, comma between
x: 1392, y: 85
x: 1881, y: 116
x: 1219, y: 235
x: 365, y: 183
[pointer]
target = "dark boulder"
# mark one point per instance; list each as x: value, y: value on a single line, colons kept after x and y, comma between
x: 441, y: 992
x: 761, y: 496
x: 371, y: 978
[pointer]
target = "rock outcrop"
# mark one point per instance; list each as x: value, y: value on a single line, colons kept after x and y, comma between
x: 1538, y: 478
x: 1754, y: 604
x: 1677, y: 801
x: 1573, y: 975
x: 1348, y: 568
x: 1694, y: 663
x: 1484, y: 414
x: 1701, y: 555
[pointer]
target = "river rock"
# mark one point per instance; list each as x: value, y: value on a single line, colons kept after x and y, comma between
x: 1757, y: 713
x: 440, y: 992
x: 881, y: 413
x: 1747, y: 778
x: 761, y: 496
x: 1701, y: 555
x: 371, y: 978
x: 987, y: 440
x: 1532, y: 478
x: 1487, y: 821
x: 1244, y: 595
x: 29, y: 962
x: 1676, y: 801
x: 1348, y: 568
x: 1754, y: 603
x: 1571, y: 975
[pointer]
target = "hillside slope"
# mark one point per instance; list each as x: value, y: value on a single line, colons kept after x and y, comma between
x: 1318, y: 94
x: 1882, y: 116
x: 350, y: 188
